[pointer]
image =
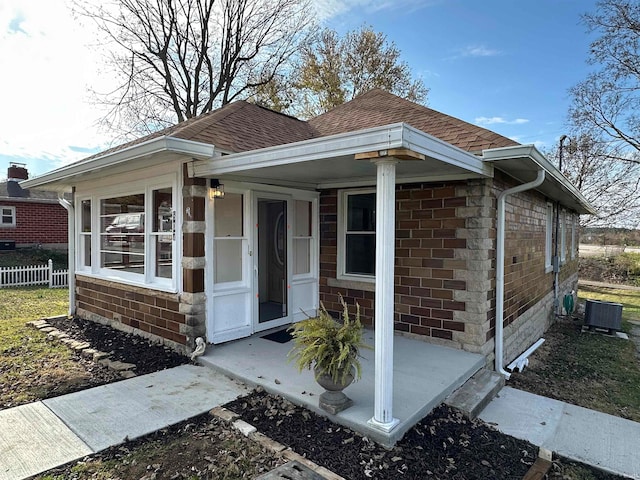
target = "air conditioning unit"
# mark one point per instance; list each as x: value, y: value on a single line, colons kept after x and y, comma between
x: 606, y: 315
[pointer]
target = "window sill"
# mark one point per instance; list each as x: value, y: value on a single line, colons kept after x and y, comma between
x: 365, y: 285
x: 548, y: 269
x: 115, y: 279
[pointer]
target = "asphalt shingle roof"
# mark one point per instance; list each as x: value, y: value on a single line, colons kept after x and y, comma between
x: 241, y: 126
x: 377, y: 107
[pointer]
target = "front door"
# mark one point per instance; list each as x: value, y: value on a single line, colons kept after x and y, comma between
x: 262, y: 261
x: 271, y: 262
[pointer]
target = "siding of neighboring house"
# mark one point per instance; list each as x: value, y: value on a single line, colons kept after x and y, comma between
x: 445, y: 265
x: 37, y: 223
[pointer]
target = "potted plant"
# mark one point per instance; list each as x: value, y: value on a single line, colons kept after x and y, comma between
x: 332, y: 349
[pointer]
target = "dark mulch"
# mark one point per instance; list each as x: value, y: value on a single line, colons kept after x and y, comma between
x: 147, y: 356
x: 444, y: 445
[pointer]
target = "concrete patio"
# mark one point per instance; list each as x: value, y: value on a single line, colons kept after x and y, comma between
x: 424, y: 375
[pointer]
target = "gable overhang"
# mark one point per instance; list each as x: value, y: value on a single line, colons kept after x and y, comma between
x: 330, y: 162
x: 147, y: 153
x: 523, y: 162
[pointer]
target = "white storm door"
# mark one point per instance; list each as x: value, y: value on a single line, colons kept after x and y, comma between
x: 230, y: 309
x: 272, y: 261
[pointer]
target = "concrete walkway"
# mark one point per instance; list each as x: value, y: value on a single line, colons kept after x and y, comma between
x: 603, y: 441
x: 423, y: 376
x: 43, y: 435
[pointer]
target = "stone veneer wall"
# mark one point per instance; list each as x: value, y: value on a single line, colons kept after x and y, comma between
x: 193, y: 300
x: 445, y: 265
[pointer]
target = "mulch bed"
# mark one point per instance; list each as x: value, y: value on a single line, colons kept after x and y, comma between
x: 125, y: 347
x: 443, y: 445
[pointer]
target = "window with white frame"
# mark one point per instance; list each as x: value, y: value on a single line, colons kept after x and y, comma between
x: 7, y: 216
x: 548, y: 238
x: 302, y: 236
x: 357, y: 234
x: 129, y: 235
x: 85, y: 235
x: 563, y: 236
x: 230, y: 238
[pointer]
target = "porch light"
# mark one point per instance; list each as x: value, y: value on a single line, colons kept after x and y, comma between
x: 216, y: 190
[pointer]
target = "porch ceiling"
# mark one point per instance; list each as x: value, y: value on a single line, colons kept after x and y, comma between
x: 329, y: 161
x: 345, y: 171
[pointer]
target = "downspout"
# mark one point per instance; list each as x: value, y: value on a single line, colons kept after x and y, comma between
x: 500, y: 227
x: 71, y: 239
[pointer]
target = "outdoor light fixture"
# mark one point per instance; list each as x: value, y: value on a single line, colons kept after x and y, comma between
x: 216, y: 190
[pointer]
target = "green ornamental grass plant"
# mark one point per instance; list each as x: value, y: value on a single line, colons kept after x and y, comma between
x: 328, y: 346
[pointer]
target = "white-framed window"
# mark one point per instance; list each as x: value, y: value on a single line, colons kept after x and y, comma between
x: 128, y: 233
x: 230, y: 238
x: 548, y: 238
x: 302, y: 236
x: 563, y: 236
x: 84, y: 234
x: 357, y: 234
x: 7, y: 216
x: 573, y: 236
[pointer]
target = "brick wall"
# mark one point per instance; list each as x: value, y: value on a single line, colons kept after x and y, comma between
x: 445, y: 264
x: 36, y: 223
x: 431, y: 263
x: 146, y: 312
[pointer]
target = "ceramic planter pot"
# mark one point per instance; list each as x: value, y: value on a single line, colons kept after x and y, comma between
x: 333, y: 400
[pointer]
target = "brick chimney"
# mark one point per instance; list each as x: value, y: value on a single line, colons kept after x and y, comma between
x: 17, y: 171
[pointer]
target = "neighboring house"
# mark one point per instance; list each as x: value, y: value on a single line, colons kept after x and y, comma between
x: 30, y: 217
x: 389, y: 203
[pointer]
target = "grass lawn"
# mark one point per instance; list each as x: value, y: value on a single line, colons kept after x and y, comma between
x: 586, y: 369
x: 25, y: 354
x: 630, y: 299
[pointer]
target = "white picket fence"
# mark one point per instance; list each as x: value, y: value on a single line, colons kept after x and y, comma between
x: 34, y: 275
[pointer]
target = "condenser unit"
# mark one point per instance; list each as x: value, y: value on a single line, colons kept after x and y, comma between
x: 606, y: 315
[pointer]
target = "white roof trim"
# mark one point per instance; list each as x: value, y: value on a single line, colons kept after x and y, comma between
x: 150, y: 147
x: 533, y: 154
x: 395, y: 135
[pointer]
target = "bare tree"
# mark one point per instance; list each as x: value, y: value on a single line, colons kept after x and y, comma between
x: 607, y: 176
x: 608, y: 100
x: 335, y: 69
x: 176, y: 59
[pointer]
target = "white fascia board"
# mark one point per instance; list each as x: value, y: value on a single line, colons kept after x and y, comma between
x: 395, y: 135
x: 378, y: 138
x: 531, y: 152
x: 433, y: 147
x: 150, y: 147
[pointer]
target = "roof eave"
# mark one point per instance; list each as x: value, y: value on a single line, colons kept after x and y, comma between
x: 386, y: 137
x: 509, y: 160
x: 62, y: 175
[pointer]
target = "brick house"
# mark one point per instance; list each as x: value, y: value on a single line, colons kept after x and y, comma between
x: 446, y: 229
x: 30, y: 217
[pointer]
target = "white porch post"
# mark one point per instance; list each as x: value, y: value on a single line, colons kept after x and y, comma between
x: 385, y: 255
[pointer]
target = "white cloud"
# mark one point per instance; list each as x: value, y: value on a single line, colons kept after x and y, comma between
x: 328, y: 9
x: 479, y: 51
x: 43, y: 89
x: 496, y: 120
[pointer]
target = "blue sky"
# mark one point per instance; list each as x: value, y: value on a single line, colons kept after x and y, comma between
x: 503, y: 64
